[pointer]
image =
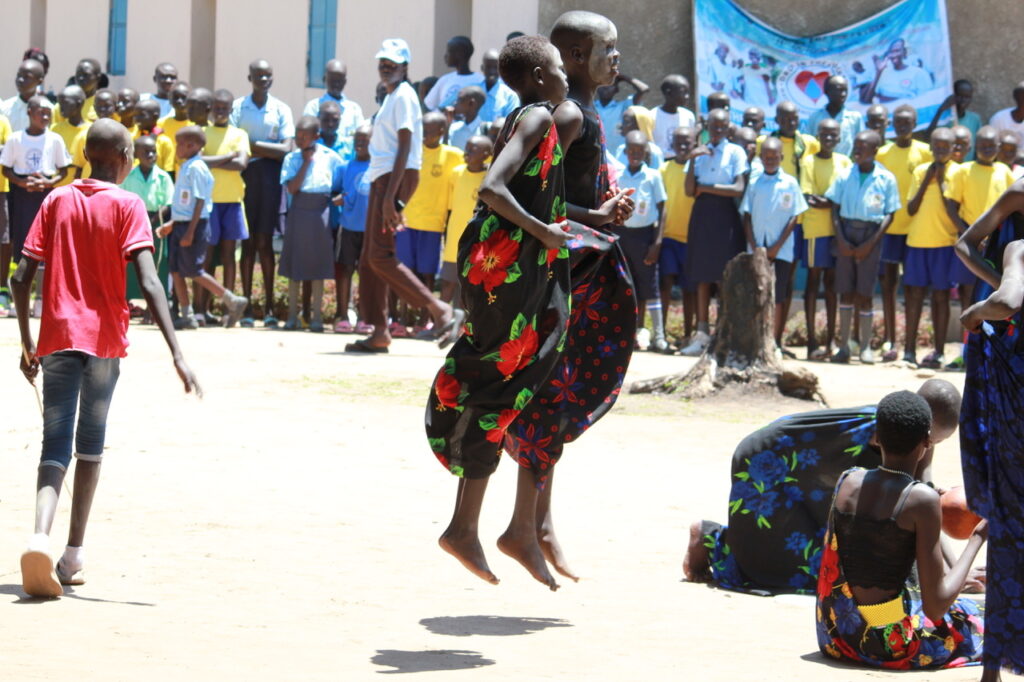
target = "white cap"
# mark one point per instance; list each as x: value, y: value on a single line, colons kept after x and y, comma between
x: 395, y: 50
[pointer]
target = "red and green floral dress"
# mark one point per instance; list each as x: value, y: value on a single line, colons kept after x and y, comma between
x: 516, y: 293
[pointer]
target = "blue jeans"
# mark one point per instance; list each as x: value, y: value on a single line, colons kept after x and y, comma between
x: 76, y: 381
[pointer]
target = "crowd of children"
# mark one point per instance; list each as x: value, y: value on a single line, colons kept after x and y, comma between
x: 699, y: 200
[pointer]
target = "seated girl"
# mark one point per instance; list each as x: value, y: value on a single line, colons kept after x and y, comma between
x: 881, y: 521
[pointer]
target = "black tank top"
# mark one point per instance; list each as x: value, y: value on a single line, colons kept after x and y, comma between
x: 876, y: 552
x: 586, y: 171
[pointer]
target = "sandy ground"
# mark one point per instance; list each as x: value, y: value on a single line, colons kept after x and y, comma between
x: 284, y: 528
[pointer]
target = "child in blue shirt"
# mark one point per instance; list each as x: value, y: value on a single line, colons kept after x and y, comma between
x: 189, y: 231
x: 308, y: 252
x: 640, y: 237
x: 863, y: 200
x: 770, y: 209
x: 348, y: 219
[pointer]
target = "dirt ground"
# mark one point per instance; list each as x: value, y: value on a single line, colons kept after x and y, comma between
x: 284, y: 528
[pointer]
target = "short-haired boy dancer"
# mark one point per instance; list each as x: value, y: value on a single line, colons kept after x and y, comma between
x: 587, y: 43
x: 88, y: 226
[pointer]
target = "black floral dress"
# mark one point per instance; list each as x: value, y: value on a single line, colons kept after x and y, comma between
x: 516, y: 293
x: 588, y: 374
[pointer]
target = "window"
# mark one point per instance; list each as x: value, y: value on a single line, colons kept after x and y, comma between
x: 116, y: 37
x: 323, y: 17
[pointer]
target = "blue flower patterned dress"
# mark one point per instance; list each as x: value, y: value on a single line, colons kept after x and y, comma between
x: 992, y: 455
x: 782, y: 481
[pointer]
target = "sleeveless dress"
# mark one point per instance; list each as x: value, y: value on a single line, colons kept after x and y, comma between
x: 895, y: 635
x: 516, y: 294
x: 992, y: 456
x: 588, y: 375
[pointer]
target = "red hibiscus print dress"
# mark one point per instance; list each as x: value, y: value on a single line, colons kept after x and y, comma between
x: 516, y: 294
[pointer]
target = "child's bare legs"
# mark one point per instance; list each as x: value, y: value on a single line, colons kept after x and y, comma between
x: 940, y: 318
x: 307, y: 295
x: 87, y: 476
x: 689, y: 312
x: 227, y: 261
x: 703, y: 306
x: 248, y: 265
x: 461, y: 538
x: 811, y: 308
x: 665, y: 284
x: 546, y: 531
x: 831, y: 305
x: 6, y: 252
x: 519, y: 540
x: 890, y: 283
x: 915, y: 302
x: 259, y: 244
x: 991, y: 674
x: 779, y: 323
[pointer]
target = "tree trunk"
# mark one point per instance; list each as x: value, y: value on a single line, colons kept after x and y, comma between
x: 743, y: 350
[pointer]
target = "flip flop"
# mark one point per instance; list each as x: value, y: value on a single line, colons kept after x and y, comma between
x: 37, y: 575
x: 449, y: 333
x: 364, y: 346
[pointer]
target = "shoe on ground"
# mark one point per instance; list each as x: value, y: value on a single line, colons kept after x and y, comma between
x: 69, y: 575
x: 291, y: 325
x: 270, y: 322
x: 890, y: 355
x: 643, y: 338
x: 867, y: 357
x: 210, y: 320
x: 957, y: 365
x: 343, y: 327
x: 38, y: 578
x: 697, y: 345
x: 660, y: 345
x: 363, y: 328
x: 933, y: 361
x: 234, y: 308
x: 910, y: 357
x: 842, y: 356
x: 316, y: 327
x: 187, y: 322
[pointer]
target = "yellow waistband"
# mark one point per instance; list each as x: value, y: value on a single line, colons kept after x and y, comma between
x: 880, y: 615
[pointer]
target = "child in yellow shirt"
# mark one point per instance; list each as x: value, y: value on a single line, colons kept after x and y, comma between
x: 70, y: 101
x: 177, y: 120
x: 817, y: 173
x: 464, y: 186
x: 931, y: 258
x: 678, y: 206
x: 418, y: 245
x: 900, y: 157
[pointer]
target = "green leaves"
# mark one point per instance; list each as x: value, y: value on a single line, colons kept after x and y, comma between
x: 513, y: 273
x: 465, y: 267
x: 488, y: 227
x: 762, y: 522
x: 533, y: 168
x: 518, y: 325
x: 436, y: 444
x: 488, y: 422
x: 523, y: 399
x: 449, y: 366
x: 517, y: 234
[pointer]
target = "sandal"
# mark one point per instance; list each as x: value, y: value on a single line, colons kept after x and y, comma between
x: 447, y: 334
x: 398, y: 331
x: 365, y: 347
x: 38, y: 578
x: 65, y: 578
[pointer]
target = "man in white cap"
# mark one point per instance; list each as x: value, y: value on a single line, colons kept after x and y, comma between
x: 396, y: 151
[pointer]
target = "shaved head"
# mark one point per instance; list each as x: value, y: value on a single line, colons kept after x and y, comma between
x: 335, y: 66
x: 771, y: 143
x: 194, y: 133
x: 944, y: 400
x: 942, y: 134
x: 578, y: 28
x: 106, y: 143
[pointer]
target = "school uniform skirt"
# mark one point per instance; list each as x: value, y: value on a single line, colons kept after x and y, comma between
x: 716, y: 236
x: 308, y: 250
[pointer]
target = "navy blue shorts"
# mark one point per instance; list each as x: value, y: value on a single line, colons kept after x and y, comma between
x: 783, y: 280
x: 188, y: 261
x: 817, y: 253
x: 635, y: 242
x: 798, y: 243
x: 672, y: 261
x: 894, y: 248
x: 227, y: 221
x: 963, y: 275
x: 933, y: 268
x: 419, y: 250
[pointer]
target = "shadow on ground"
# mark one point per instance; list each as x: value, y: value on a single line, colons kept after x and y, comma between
x: 430, y: 660
x: 69, y: 593
x: 500, y: 626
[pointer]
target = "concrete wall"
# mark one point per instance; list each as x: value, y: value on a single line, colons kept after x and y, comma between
x: 659, y: 40
x: 18, y: 14
x: 492, y: 21
x: 146, y: 39
x: 75, y: 29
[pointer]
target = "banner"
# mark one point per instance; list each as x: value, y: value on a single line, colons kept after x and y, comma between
x: 899, y: 56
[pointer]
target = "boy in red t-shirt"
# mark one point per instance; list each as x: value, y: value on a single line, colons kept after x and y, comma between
x: 84, y: 232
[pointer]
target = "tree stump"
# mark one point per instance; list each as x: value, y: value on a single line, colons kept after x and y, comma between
x: 743, y: 350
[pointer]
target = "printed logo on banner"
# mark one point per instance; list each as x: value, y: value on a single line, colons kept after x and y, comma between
x: 803, y: 81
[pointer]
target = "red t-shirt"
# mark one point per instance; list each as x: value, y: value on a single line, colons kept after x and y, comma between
x: 84, y: 232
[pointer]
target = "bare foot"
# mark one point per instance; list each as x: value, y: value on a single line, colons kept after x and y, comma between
x: 697, y: 563
x: 470, y: 554
x: 526, y: 551
x: 553, y: 553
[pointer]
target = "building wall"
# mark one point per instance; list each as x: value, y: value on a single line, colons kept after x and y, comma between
x: 492, y: 21
x: 659, y: 40
x: 149, y: 43
x: 75, y: 29
x: 18, y: 14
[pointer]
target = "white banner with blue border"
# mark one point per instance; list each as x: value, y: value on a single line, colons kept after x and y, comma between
x: 898, y: 56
